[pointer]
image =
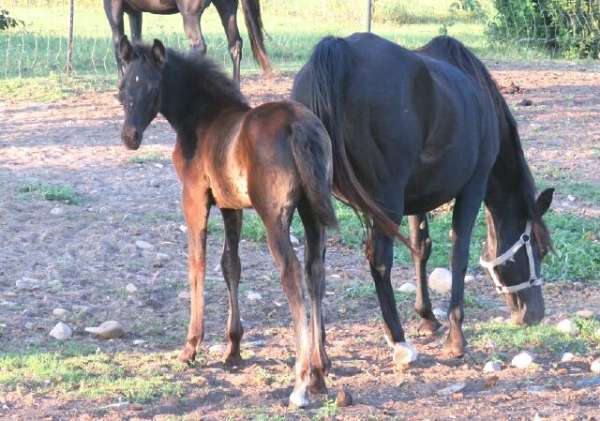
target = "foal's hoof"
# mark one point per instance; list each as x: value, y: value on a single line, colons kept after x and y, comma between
x: 188, y: 354
x: 428, y: 327
x: 453, y: 349
x: 404, y: 353
x: 299, y: 399
x: 317, y: 383
x: 233, y: 360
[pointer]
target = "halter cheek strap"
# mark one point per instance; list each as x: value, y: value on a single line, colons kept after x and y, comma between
x: 534, y: 280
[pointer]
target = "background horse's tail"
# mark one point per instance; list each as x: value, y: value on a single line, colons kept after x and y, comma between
x: 255, y: 33
x: 329, y: 65
x: 451, y: 50
x: 311, y: 148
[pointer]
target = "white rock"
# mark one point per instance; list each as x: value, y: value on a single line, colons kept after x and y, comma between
x: 144, y: 245
x: 184, y: 295
x: 131, y: 288
x: 571, y: 198
x: 440, y: 280
x: 294, y: 240
x: 183, y: 228
x: 595, y: 366
x: 566, y: 357
x: 440, y: 313
x: 29, y: 325
x: 567, y: 326
x: 61, y: 313
x: 107, y: 330
x: 469, y: 278
x: 61, y: 331
x: 253, y: 296
x: 492, y: 366
x: 26, y: 283
x: 453, y: 388
x: 138, y: 342
x: 162, y: 257
x: 56, y: 211
x: 585, y: 314
x: 407, y: 288
x: 217, y: 349
x: 522, y: 360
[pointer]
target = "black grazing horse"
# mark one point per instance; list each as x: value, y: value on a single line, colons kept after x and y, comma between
x: 191, y: 12
x: 410, y: 131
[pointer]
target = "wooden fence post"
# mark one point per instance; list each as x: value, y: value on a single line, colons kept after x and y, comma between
x: 69, y: 67
x: 369, y: 14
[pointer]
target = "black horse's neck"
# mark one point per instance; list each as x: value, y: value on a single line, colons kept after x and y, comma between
x: 193, y: 92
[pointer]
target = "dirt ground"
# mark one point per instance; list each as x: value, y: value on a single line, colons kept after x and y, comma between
x: 85, y: 255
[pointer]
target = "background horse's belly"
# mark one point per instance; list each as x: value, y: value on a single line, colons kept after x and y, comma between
x: 165, y: 7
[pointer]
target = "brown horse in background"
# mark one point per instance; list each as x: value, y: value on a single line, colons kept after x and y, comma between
x: 275, y: 158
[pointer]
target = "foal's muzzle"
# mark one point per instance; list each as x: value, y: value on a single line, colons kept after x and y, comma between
x: 131, y: 137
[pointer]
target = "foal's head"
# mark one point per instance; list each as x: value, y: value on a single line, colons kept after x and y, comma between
x: 515, y: 247
x: 139, y: 91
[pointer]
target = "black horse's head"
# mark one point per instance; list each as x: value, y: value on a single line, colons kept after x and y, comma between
x: 139, y: 91
x: 515, y: 248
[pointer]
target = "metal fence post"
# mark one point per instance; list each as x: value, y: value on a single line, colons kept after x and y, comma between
x: 369, y: 14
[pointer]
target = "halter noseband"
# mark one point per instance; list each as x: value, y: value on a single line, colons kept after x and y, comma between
x: 534, y: 280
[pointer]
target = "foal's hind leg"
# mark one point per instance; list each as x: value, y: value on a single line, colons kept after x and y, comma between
x: 421, y: 244
x: 230, y: 265
x: 314, y: 256
x: 380, y: 252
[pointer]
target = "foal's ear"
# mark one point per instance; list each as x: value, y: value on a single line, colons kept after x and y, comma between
x: 544, y: 200
x: 158, y: 52
x: 125, y: 49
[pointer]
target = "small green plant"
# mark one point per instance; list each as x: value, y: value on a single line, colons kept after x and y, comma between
x: 148, y: 158
x: 327, y: 411
x: 56, y: 193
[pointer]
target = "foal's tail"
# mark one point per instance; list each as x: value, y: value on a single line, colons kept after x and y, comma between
x: 311, y: 148
x: 329, y: 66
x: 254, y: 24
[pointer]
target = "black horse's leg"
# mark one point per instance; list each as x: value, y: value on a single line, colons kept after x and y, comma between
x: 231, y: 267
x: 114, y: 12
x: 135, y: 24
x: 421, y: 244
x: 227, y: 11
x: 466, y: 206
x: 380, y: 253
x: 314, y: 270
x: 191, y: 25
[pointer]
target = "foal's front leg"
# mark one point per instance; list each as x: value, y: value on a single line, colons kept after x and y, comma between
x: 196, y: 207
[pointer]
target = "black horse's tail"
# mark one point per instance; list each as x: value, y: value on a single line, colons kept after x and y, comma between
x: 329, y: 65
x: 255, y: 33
x: 455, y: 52
x: 311, y: 148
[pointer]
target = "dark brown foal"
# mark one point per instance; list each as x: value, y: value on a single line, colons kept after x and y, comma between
x: 275, y: 158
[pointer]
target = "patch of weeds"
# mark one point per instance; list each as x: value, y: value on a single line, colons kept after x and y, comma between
x: 361, y: 290
x: 504, y: 337
x: 589, y: 331
x: 327, y: 411
x: 149, y: 158
x: 253, y: 228
x: 264, y: 376
x: 49, y: 192
x: 471, y: 301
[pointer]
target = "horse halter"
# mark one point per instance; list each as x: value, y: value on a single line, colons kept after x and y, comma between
x: 534, y: 280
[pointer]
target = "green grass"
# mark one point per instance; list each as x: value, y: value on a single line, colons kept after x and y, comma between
x: 51, y: 193
x: 504, y: 337
x: 147, y: 158
x: 75, y: 372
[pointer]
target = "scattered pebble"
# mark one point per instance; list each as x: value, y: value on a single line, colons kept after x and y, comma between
x: 453, y: 388
x: 183, y: 228
x: 343, y: 398
x: 595, y: 366
x: 571, y: 198
x: 492, y: 366
x: 440, y: 280
x: 144, y: 245
x: 107, y: 330
x: 139, y: 342
x: 407, y: 288
x: 522, y: 360
x: 56, y: 211
x: 29, y: 325
x: 131, y: 288
x: 567, y: 326
x: 566, y: 357
x: 469, y: 278
x: 294, y: 240
x: 253, y: 296
x: 184, y: 295
x: 440, y: 313
x: 26, y: 283
x: 61, y: 313
x: 525, y: 102
x: 61, y: 331
x: 585, y: 314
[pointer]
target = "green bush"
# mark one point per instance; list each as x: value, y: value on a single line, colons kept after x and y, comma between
x: 567, y: 27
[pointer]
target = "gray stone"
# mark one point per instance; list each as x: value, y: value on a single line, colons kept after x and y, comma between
x: 131, y: 288
x: 253, y: 296
x: 566, y: 357
x: 522, y: 360
x: 440, y: 280
x: 61, y: 313
x: 143, y: 245
x: 56, y: 211
x: 492, y: 366
x: 407, y: 288
x: 61, y: 331
x: 453, y: 388
x: 567, y: 326
x: 107, y: 330
x: 595, y: 366
x: 469, y: 279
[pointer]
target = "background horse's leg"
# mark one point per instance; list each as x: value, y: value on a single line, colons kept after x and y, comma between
x: 114, y: 13
x: 196, y: 207
x: 227, y: 11
x: 191, y: 25
x: 230, y: 265
x: 380, y: 252
x: 314, y: 256
x: 278, y: 238
x: 421, y: 244
x: 135, y: 24
x: 466, y: 207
